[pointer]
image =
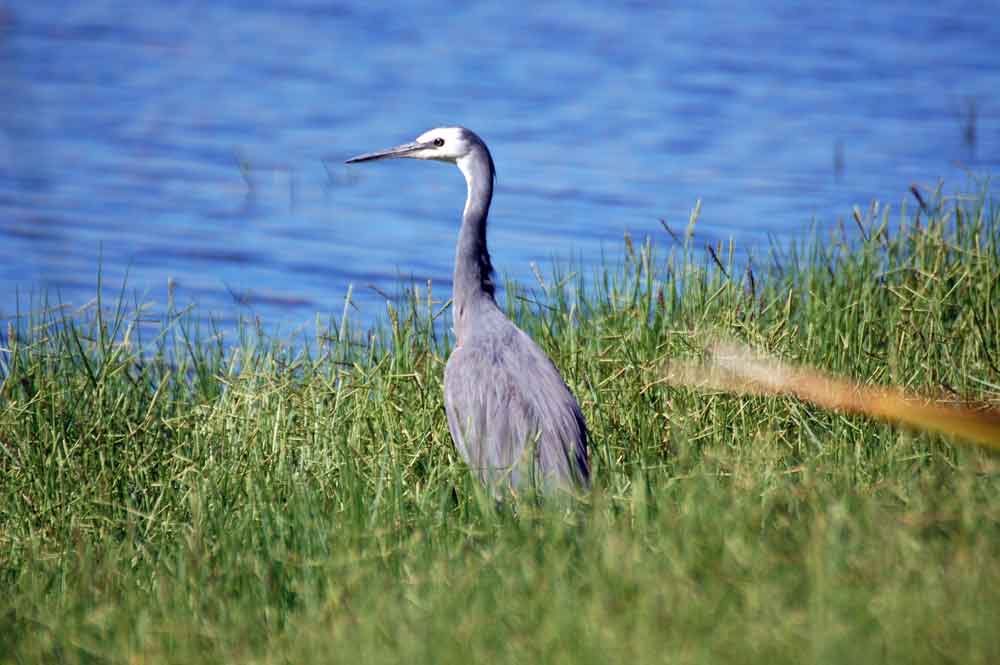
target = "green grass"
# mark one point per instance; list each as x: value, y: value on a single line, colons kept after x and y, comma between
x: 173, y: 499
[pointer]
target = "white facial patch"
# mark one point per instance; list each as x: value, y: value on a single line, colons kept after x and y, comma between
x: 453, y: 148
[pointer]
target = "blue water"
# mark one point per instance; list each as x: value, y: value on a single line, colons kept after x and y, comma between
x: 201, y: 144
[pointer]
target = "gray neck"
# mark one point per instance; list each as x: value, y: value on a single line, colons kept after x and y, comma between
x: 473, y: 282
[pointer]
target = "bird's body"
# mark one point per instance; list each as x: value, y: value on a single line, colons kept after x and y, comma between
x: 511, y: 415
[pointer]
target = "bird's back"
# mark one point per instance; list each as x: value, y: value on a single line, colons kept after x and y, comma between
x: 513, y: 419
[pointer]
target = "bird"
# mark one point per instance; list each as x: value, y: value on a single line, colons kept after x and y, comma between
x: 511, y: 415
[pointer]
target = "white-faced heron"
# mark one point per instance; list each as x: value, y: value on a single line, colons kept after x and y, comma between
x: 512, y: 417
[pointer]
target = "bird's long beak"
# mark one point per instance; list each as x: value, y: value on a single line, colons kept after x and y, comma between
x: 398, y: 151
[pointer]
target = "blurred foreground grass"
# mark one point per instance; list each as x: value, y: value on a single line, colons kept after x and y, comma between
x: 174, y: 499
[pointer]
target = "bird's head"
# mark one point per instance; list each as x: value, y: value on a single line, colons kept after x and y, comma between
x: 444, y: 144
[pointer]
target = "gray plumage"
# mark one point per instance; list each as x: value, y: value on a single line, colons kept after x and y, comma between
x: 512, y: 418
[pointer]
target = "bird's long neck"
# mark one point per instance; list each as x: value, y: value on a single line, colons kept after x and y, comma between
x: 473, y: 282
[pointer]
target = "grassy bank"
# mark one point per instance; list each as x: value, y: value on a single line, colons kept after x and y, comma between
x: 167, y: 498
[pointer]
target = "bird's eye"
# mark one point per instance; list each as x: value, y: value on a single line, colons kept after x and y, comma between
x: 439, y: 141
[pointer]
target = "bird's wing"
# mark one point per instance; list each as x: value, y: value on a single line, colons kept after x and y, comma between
x: 512, y: 417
